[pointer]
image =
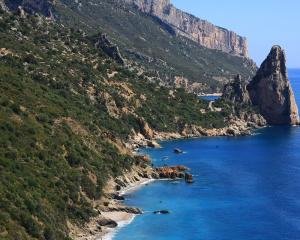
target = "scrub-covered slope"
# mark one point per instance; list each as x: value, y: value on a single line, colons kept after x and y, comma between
x: 66, y: 110
x: 150, y: 40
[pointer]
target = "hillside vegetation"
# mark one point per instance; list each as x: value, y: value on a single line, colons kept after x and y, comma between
x: 65, y: 111
x: 152, y: 44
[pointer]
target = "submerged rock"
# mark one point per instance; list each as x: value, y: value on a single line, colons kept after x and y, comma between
x: 162, y: 212
x: 271, y: 90
x: 178, y: 151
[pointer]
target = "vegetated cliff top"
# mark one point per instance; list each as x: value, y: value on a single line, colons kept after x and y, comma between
x: 151, y: 41
x: 66, y: 109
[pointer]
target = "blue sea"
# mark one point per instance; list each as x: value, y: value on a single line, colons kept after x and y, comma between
x: 246, y: 188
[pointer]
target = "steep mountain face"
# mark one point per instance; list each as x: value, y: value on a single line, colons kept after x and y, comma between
x: 149, y: 44
x: 198, y: 30
x: 271, y: 90
x: 236, y: 91
x: 31, y: 6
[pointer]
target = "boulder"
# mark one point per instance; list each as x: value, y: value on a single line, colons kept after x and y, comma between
x: 188, y: 178
x: 105, y: 222
x: 117, y: 197
x: 271, y: 90
x: 153, y: 144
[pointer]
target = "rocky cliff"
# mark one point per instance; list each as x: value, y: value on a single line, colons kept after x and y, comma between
x: 271, y: 90
x: 31, y: 6
x: 236, y: 91
x: 198, y: 30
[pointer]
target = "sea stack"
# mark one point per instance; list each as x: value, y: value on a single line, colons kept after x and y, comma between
x: 271, y: 90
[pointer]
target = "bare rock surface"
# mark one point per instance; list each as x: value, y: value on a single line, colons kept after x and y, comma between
x: 236, y: 91
x: 198, y: 30
x: 271, y: 90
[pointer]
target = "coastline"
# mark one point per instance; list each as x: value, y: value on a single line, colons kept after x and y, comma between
x: 122, y: 218
x: 113, y: 213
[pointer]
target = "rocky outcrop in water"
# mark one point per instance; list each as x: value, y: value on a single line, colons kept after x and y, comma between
x: 171, y: 172
x: 271, y: 90
x: 198, y: 30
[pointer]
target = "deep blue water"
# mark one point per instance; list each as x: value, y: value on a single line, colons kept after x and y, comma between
x: 246, y: 188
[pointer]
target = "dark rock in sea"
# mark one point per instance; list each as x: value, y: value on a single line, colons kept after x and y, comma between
x: 178, y: 151
x: 188, y: 178
x: 132, y: 210
x: 170, y: 172
x: 271, y: 90
x: 109, y: 48
x: 118, y: 197
x: 105, y: 222
x: 162, y: 212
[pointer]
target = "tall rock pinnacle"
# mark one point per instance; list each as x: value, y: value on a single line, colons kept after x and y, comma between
x: 271, y: 90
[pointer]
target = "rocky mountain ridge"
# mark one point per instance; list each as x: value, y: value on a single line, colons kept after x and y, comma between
x: 201, y: 31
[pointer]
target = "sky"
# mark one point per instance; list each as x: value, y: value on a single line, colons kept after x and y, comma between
x: 264, y: 23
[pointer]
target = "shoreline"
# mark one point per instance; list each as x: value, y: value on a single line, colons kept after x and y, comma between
x: 112, y: 208
x: 122, y: 218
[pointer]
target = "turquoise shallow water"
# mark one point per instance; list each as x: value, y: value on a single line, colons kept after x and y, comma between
x: 246, y: 188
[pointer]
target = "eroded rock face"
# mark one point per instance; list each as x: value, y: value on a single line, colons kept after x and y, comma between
x: 236, y: 91
x: 271, y: 90
x: 198, y: 30
x: 31, y: 6
x: 109, y: 48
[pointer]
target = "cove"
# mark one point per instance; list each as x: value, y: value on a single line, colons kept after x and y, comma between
x: 245, y: 188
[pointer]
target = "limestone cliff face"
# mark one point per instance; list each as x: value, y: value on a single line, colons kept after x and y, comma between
x: 200, y: 31
x: 271, y: 90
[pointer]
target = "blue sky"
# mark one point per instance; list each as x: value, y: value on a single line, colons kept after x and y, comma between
x: 263, y: 22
